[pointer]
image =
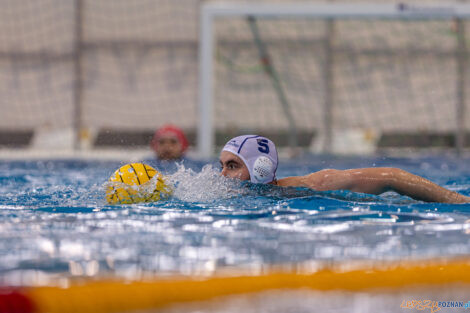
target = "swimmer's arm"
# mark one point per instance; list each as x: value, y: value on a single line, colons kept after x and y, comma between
x: 376, y: 181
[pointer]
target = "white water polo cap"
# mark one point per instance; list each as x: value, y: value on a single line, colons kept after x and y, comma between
x: 259, y: 155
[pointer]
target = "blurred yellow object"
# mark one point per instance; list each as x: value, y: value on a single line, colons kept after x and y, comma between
x: 133, y: 183
x: 387, y: 280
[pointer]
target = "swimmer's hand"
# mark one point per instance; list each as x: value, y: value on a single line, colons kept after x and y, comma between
x: 376, y: 181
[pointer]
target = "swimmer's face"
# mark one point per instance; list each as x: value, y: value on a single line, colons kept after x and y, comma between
x: 233, y: 166
x: 168, y: 148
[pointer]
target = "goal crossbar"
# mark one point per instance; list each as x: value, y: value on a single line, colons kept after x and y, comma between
x: 211, y: 11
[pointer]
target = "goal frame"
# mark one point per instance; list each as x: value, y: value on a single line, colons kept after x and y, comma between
x: 326, y: 11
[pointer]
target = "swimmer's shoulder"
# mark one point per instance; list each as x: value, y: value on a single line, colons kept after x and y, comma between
x: 321, y: 180
x: 293, y: 181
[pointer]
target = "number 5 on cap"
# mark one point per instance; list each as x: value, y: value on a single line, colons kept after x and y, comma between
x: 263, y: 145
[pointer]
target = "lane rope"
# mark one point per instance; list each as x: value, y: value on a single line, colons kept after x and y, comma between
x: 107, y: 296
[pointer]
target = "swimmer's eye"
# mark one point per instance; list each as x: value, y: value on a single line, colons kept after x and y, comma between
x: 232, y: 166
x: 229, y: 166
x: 170, y: 141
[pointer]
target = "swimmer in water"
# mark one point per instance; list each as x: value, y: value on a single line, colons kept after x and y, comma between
x: 254, y: 158
x: 169, y: 143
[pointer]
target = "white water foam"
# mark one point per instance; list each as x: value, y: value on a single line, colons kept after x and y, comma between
x: 204, y: 186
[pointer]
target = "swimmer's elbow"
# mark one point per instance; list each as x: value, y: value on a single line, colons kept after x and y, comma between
x: 393, y: 179
x: 375, y: 180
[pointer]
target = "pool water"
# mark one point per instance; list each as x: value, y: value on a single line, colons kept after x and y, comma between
x: 54, y: 221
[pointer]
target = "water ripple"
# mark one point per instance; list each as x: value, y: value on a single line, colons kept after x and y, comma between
x: 54, y: 219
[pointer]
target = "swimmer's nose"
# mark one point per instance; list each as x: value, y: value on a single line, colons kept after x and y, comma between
x: 223, y: 172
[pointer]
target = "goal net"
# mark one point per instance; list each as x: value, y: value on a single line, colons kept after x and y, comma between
x: 336, y: 74
x: 91, y: 73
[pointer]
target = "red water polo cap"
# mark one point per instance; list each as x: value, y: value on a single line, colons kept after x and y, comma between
x: 170, y: 130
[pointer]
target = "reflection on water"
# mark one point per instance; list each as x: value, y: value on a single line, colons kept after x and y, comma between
x: 54, y: 222
x: 281, y: 301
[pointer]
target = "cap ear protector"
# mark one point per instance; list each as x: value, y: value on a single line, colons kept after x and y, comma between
x: 262, y: 169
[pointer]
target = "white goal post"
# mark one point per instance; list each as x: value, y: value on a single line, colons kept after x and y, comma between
x: 210, y: 12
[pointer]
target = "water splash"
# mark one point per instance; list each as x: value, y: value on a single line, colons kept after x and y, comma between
x: 204, y: 186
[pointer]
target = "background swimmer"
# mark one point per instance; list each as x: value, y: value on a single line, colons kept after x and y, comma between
x: 169, y: 143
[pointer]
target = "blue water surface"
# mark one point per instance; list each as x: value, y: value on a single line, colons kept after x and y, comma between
x: 54, y: 221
